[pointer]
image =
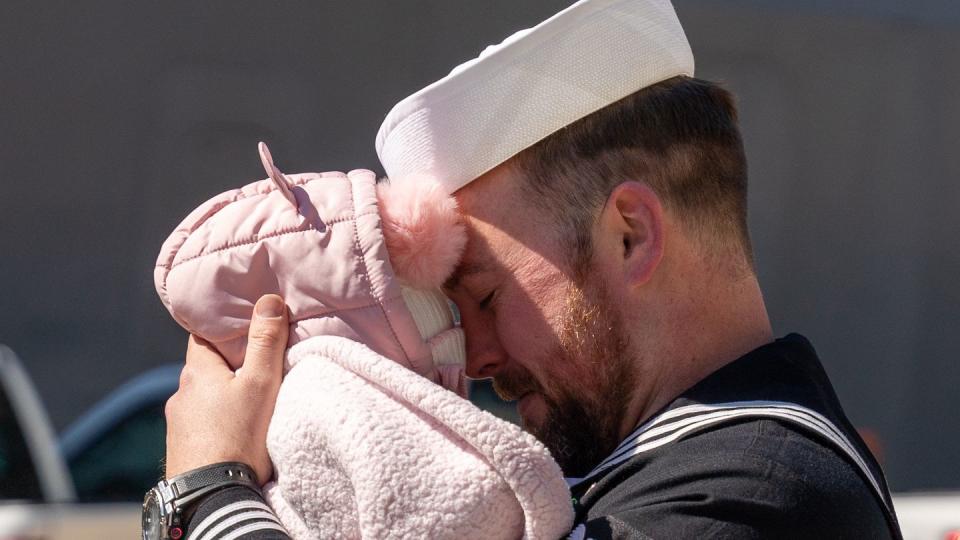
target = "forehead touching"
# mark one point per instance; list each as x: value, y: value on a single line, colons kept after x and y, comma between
x: 489, y: 250
x: 505, y: 233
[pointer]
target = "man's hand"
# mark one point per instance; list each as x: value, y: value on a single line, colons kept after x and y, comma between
x: 221, y: 415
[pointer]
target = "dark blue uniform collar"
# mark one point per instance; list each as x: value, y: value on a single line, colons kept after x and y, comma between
x: 776, y: 376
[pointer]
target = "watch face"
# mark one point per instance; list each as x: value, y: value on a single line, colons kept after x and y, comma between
x: 151, y: 520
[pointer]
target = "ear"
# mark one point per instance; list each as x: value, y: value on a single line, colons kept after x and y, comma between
x: 632, y: 223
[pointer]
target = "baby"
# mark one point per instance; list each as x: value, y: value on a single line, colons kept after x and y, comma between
x: 371, y: 436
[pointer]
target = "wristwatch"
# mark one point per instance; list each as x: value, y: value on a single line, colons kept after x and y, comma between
x: 165, y: 505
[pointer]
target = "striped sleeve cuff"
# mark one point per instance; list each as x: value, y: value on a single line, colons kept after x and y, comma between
x: 235, y: 513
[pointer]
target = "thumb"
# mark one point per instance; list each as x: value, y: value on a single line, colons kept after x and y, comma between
x: 266, y: 340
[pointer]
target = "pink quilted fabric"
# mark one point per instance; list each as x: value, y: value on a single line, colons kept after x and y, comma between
x: 316, y: 240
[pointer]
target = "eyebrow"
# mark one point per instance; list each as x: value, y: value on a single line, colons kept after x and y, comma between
x: 464, y: 270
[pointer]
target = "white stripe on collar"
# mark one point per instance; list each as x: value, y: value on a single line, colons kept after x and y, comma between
x: 677, y: 423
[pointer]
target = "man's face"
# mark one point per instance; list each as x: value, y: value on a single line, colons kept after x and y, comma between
x: 554, y: 343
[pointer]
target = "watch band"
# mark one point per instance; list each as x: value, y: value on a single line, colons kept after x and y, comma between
x: 196, y: 483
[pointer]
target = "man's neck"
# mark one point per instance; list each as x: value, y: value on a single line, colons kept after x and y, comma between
x: 708, y: 331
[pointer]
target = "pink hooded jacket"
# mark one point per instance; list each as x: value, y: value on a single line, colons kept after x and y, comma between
x: 366, y: 438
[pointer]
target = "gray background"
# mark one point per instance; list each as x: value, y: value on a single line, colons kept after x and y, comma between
x: 119, y: 118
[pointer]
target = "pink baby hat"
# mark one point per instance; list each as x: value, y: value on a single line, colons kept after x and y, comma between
x: 351, y: 258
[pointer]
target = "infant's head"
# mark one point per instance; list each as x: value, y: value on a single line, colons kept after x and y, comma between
x: 351, y: 258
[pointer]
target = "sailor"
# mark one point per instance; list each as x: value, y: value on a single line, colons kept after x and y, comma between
x: 608, y: 285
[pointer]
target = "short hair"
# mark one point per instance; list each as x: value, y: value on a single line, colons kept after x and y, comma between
x: 679, y: 137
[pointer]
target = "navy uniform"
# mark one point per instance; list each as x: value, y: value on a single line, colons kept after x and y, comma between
x: 759, y: 449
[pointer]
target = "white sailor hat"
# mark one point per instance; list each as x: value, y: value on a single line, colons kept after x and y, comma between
x: 535, y: 82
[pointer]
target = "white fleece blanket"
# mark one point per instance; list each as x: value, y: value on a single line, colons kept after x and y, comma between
x: 365, y: 448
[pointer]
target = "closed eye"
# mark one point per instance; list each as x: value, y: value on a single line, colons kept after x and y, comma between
x: 485, y: 303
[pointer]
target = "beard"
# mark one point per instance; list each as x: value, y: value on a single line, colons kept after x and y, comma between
x: 587, y: 383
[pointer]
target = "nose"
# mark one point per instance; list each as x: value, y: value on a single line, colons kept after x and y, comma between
x: 485, y: 354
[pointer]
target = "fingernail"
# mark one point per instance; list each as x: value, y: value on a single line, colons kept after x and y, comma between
x: 270, y: 307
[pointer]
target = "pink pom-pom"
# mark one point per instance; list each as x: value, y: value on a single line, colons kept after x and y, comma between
x: 423, y: 230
